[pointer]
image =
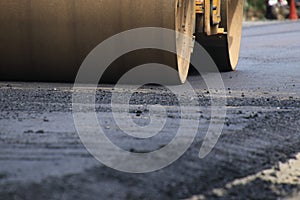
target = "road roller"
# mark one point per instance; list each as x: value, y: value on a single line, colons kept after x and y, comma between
x: 47, y: 40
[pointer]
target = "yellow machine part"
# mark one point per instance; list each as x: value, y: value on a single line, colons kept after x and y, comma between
x: 47, y: 40
x: 219, y: 31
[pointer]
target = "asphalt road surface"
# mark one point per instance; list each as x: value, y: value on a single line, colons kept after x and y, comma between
x: 256, y: 157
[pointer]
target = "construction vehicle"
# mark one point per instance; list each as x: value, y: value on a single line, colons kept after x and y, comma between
x: 47, y: 40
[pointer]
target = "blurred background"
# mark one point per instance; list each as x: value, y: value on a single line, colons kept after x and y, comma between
x: 268, y: 9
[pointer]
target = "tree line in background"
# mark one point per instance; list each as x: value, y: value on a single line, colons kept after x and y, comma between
x: 255, y: 9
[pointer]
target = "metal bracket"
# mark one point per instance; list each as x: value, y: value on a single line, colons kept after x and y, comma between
x: 212, y: 17
x: 199, y: 6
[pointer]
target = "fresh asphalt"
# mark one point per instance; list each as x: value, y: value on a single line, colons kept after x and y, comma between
x: 256, y: 157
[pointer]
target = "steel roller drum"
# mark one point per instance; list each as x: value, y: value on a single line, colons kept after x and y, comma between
x: 225, y: 49
x: 47, y: 40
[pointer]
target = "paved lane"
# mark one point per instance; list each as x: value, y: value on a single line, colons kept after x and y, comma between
x: 257, y: 156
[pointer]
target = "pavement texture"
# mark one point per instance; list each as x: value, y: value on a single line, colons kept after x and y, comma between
x: 256, y: 157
